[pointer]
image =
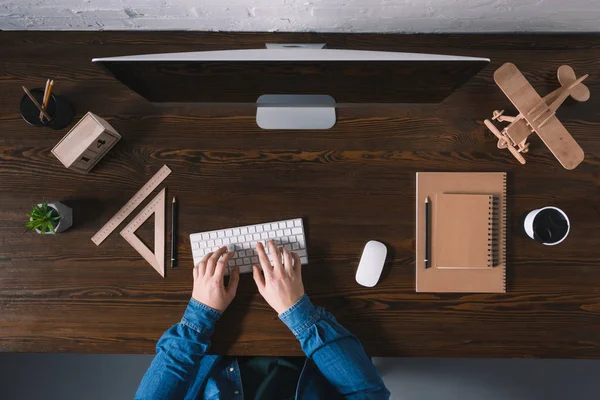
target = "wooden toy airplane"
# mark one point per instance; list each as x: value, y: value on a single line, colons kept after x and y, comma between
x: 537, y: 114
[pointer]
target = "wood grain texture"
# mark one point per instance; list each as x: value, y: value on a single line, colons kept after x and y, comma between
x: 351, y: 184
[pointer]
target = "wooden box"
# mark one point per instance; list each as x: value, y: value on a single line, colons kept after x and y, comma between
x: 86, y: 143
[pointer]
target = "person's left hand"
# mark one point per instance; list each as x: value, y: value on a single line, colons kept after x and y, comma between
x: 209, y: 280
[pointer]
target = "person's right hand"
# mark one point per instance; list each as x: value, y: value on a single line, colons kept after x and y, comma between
x: 280, y: 284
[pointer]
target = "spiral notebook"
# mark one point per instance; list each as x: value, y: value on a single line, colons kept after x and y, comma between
x: 462, y: 227
x: 467, y: 238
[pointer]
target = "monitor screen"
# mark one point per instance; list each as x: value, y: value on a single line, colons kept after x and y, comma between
x: 349, y: 76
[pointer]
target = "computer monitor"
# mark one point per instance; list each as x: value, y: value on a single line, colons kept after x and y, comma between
x: 295, y: 86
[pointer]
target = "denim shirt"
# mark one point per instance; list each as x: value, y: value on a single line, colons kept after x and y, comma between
x: 336, y: 365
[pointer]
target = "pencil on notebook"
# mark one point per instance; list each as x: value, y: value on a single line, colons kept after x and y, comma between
x: 35, y: 102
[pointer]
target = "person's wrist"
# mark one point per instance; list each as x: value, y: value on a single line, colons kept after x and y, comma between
x: 300, y: 315
x: 200, y: 317
x: 209, y: 304
x: 287, y: 305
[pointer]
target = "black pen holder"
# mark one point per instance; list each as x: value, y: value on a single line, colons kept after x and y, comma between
x: 58, y: 108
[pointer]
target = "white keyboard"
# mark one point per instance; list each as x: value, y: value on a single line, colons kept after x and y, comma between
x: 242, y: 240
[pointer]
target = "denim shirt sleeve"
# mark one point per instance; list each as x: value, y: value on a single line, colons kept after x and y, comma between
x: 178, y: 354
x: 337, y: 353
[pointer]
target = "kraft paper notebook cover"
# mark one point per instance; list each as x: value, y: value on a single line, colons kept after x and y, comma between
x: 462, y: 230
x: 466, y: 280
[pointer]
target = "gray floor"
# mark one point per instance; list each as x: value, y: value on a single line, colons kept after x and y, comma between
x: 490, y: 379
x: 115, y: 377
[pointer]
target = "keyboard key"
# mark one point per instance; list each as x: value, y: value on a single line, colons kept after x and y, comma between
x: 243, y: 230
x: 242, y: 253
x: 287, y: 232
x: 285, y: 240
x: 282, y: 225
x: 301, y: 241
x: 226, y: 240
x: 245, y: 269
x: 221, y: 234
x: 210, y: 243
x: 274, y: 227
x: 256, y: 237
x: 202, y: 245
x: 238, y: 247
x: 303, y: 260
x: 301, y: 253
x: 297, y: 222
x: 231, y: 263
x: 295, y: 246
x: 254, y: 259
x: 279, y: 233
x: 236, y: 231
x: 246, y: 260
x: 213, y: 235
x: 259, y: 228
x: 251, y: 229
x: 195, y: 245
x: 205, y: 236
x: 249, y: 238
x: 198, y: 254
x: 264, y: 235
x: 218, y: 242
x: 231, y: 249
x: 290, y: 224
x: 239, y: 261
x: 246, y: 245
x: 296, y: 231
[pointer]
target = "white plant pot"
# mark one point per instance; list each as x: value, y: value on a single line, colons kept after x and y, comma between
x: 66, y: 217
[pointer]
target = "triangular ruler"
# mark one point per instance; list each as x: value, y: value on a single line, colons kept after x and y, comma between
x: 156, y: 207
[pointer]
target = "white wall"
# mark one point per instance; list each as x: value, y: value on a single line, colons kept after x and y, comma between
x: 304, y: 15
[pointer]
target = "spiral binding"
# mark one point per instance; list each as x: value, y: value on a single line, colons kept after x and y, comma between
x: 502, y: 250
x: 492, y: 230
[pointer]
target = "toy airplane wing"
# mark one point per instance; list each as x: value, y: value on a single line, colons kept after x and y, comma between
x: 528, y: 102
x: 560, y: 142
x: 516, y: 87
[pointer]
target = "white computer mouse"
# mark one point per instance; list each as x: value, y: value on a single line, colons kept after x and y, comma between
x: 371, y: 263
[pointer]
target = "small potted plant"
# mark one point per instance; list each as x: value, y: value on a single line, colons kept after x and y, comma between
x: 50, y: 218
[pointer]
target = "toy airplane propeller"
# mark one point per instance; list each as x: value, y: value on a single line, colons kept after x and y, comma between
x: 538, y: 115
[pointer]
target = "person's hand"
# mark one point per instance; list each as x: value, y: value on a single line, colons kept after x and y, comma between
x: 279, y: 283
x: 209, y: 280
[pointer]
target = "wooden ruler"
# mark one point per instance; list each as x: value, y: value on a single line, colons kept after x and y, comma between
x: 156, y: 207
x: 131, y: 205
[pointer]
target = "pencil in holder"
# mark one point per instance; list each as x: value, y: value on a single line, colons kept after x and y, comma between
x: 58, y: 108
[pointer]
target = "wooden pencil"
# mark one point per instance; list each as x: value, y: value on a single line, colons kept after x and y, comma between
x: 35, y: 102
x: 47, y: 93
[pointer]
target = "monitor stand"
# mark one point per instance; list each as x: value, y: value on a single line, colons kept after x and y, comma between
x: 295, y: 111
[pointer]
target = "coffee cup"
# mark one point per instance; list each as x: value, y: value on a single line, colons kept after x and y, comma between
x: 547, y: 225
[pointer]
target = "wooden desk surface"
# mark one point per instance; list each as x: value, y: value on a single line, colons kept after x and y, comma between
x: 353, y: 183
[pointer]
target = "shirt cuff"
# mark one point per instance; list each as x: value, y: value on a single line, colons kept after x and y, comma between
x: 200, y: 317
x: 300, y: 316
